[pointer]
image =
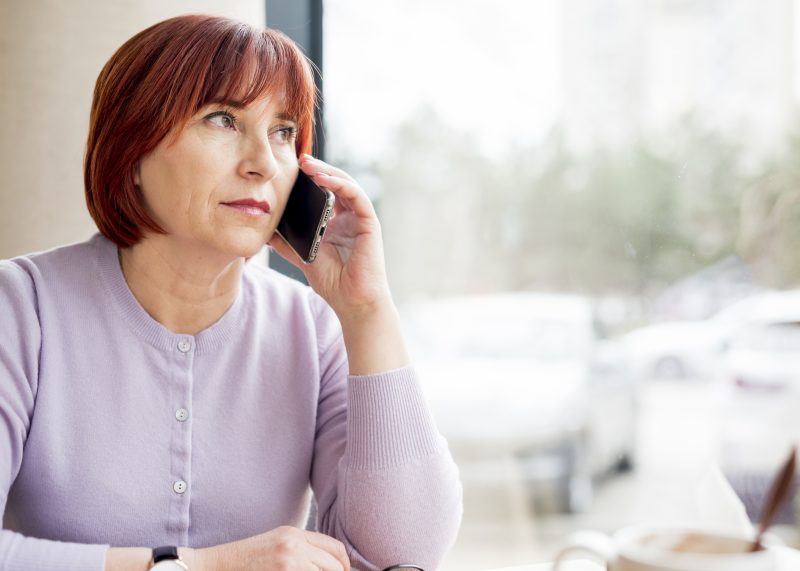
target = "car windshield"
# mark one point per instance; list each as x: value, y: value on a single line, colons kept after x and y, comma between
x: 531, y: 330
x: 774, y: 337
x: 543, y: 340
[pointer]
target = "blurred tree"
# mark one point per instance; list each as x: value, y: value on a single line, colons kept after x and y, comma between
x: 616, y: 221
x: 770, y: 218
x: 431, y: 210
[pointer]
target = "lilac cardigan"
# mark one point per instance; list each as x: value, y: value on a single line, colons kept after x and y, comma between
x: 116, y: 431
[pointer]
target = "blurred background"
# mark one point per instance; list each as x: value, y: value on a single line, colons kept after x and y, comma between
x: 591, y: 212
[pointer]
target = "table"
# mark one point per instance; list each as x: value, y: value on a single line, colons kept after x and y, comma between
x: 788, y: 560
x: 573, y: 565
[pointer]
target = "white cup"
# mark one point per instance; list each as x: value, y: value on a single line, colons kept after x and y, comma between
x: 675, y: 548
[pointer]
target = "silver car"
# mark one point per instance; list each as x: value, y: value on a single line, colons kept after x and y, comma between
x: 522, y: 388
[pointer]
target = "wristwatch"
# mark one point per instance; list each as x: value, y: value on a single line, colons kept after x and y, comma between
x: 166, y: 559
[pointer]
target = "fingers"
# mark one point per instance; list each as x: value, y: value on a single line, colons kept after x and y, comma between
x: 284, y: 548
x: 311, y: 166
x: 325, y: 561
x: 331, y: 546
x: 348, y: 193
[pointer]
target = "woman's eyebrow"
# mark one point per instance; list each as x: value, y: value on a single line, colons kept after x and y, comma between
x: 235, y: 103
x: 283, y: 116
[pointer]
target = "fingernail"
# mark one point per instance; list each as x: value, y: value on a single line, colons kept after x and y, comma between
x: 307, y: 156
x: 322, y: 174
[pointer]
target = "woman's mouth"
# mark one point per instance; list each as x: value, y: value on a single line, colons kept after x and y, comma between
x: 249, y: 206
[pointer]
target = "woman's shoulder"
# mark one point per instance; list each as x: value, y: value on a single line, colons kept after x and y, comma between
x: 16, y: 283
x: 52, y: 264
x: 68, y: 257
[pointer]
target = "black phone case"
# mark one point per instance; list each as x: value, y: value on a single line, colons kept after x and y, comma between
x: 306, y: 215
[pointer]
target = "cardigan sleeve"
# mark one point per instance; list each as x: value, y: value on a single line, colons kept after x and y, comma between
x: 385, y: 482
x: 20, y: 340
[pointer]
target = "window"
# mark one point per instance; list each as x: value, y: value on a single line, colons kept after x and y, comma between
x: 590, y: 211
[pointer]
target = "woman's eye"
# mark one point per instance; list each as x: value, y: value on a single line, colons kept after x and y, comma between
x: 286, y: 134
x: 222, y: 119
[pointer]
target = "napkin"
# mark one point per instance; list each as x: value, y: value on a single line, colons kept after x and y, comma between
x: 718, y: 506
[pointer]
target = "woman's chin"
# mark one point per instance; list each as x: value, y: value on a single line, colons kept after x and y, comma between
x: 245, y: 245
x: 248, y: 251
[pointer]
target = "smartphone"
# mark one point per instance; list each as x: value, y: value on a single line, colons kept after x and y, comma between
x: 306, y: 216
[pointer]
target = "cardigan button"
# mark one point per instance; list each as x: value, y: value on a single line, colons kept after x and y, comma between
x: 179, y: 487
x: 181, y: 414
x: 184, y: 346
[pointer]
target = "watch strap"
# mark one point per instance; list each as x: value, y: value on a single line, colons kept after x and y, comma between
x: 165, y: 553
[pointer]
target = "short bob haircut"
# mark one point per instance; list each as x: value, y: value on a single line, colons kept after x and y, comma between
x: 157, y: 81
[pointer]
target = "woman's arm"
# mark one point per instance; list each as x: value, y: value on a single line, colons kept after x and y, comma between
x: 138, y: 558
x: 383, y: 477
x: 374, y: 339
x: 281, y: 549
x: 20, y: 343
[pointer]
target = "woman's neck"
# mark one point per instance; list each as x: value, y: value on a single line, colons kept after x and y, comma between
x: 184, y: 291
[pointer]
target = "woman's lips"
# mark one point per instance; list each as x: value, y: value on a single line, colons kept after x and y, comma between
x: 250, y: 207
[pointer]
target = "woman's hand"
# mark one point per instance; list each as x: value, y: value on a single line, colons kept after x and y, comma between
x: 349, y: 271
x: 282, y: 549
x: 350, y: 274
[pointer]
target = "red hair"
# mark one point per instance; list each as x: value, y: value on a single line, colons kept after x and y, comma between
x: 161, y: 77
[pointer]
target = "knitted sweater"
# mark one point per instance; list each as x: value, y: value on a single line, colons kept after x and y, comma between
x: 116, y: 431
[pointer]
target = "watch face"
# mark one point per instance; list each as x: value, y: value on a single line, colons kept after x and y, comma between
x: 172, y: 565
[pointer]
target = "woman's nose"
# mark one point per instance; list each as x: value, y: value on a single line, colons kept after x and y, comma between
x: 259, y: 160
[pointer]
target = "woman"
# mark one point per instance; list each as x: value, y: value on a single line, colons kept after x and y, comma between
x: 158, y: 392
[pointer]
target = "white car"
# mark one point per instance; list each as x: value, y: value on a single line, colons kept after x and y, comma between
x: 689, y: 349
x: 676, y: 349
x: 520, y: 373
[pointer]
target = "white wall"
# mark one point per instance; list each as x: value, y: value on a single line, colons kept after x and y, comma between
x: 51, y: 52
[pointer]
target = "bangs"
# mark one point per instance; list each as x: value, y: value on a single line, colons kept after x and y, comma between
x: 248, y: 66
x: 212, y: 59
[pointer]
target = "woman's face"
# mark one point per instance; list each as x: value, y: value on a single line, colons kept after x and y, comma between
x: 223, y: 184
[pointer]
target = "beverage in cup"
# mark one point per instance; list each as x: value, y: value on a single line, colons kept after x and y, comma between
x: 656, y: 548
